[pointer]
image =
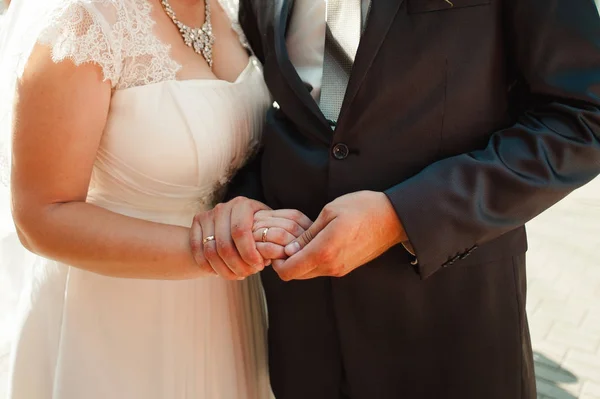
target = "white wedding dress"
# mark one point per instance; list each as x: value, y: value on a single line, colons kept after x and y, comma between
x: 168, y: 149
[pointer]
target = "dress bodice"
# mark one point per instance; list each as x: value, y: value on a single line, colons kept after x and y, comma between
x: 169, y: 145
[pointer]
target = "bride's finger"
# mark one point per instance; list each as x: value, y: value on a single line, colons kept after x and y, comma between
x: 209, y: 245
x: 284, y: 224
x: 289, y: 214
x: 269, y: 250
x: 275, y: 235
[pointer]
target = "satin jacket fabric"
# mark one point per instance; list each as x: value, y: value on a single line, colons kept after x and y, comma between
x: 473, y: 117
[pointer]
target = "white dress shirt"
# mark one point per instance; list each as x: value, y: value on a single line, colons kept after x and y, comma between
x: 306, y: 40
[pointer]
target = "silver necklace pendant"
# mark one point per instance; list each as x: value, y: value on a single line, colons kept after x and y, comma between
x: 201, y: 40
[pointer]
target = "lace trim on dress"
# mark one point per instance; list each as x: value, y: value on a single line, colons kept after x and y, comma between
x: 118, y: 36
x: 75, y: 33
x: 148, y: 60
x: 115, y: 34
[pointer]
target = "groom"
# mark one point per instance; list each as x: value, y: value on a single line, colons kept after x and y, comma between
x: 433, y: 127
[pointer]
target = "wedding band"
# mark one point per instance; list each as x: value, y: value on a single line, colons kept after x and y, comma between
x: 264, y: 234
x: 207, y: 239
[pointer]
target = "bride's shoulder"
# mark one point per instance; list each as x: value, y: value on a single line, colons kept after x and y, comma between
x: 101, y: 31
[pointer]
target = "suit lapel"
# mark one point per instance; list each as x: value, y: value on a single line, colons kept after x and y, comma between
x: 381, y: 16
x: 289, y: 90
x: 299, y: 104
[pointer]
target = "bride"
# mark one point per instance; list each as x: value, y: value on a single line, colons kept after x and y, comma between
x: 127, y: 121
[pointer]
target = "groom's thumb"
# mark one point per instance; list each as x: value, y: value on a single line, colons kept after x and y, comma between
x: 306, y: 237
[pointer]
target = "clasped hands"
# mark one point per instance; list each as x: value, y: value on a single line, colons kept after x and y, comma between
x: 241, y: 237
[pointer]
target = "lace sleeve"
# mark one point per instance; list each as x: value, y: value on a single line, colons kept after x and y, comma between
x: 84, y: 31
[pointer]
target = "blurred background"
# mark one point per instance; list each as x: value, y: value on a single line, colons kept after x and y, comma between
x: 563, y: 298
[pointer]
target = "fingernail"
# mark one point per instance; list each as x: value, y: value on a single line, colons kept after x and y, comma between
x: 292, y: 248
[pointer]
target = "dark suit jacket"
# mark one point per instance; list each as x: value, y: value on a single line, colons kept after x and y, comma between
x: 473, y: 118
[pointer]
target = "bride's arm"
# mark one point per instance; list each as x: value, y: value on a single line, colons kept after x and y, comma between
x: 60, y: 114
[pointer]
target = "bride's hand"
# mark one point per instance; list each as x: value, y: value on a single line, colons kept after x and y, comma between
x: 274, y: 229
x: 223, y: 241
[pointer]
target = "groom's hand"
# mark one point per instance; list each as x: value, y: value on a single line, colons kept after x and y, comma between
x: 350, y: 231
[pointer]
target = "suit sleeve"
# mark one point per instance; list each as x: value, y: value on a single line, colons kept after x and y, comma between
x: 554, y: 148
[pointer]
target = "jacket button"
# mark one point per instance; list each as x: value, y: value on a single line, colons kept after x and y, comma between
x: 340, y: 151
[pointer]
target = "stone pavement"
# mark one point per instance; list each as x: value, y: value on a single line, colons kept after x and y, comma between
x: 564, y: 296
